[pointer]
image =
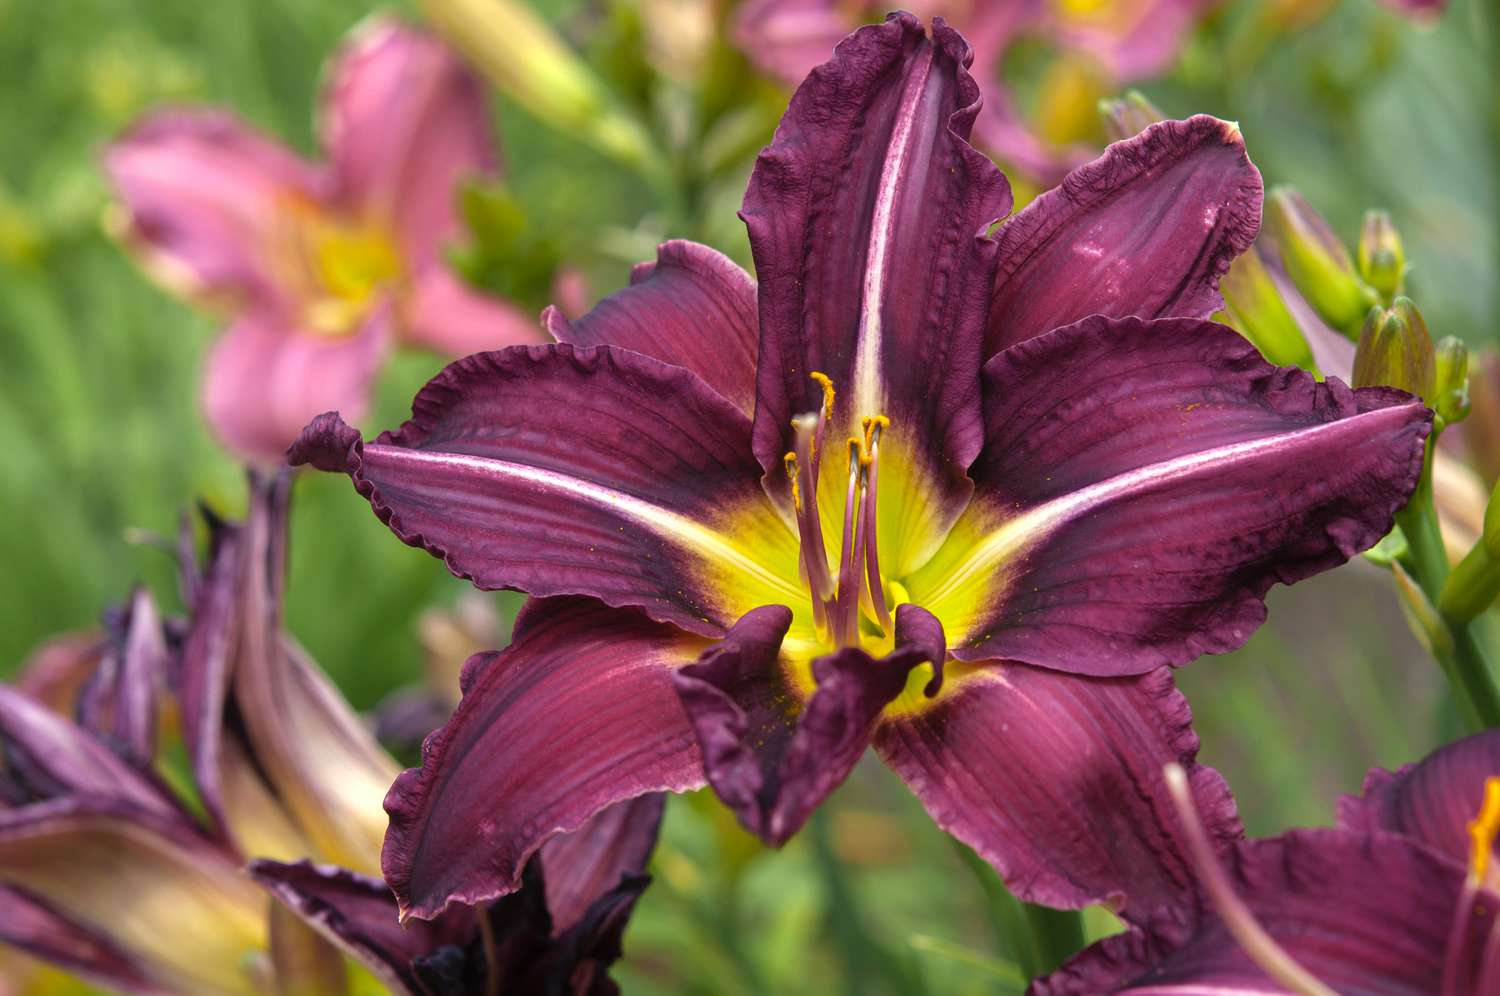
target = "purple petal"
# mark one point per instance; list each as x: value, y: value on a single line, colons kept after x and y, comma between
x: 1368, y: 915
x: 867, y: 217
x: 32, y: 926
x: 358, y: 913
x: 405, y: 123
x: 120, y: 702
x: 54, y: 757
x: 200, y: 193
x: 578, y: 714
x: 584, y: 866
x: 1147, y: 229
x: 1056, y: 781
x: 175, y: 905
x: 265, y: 379
x: 1123, y: 519
x: 1431, y: 801
x: 693, y: 307
x: 770, y: 757
x: 787, y: 39
x: 453, y: 319
x: 1133, y: 41
x: 572, y: 470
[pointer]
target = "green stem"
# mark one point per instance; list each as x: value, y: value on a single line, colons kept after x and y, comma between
x: 866, y: 961
x: 1466, y: 665
x: 1036, y: 938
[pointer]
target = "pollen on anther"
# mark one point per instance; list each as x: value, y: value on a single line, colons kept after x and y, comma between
x: 1483, y: 829
x: 791, y: 472
x: 826, y: 383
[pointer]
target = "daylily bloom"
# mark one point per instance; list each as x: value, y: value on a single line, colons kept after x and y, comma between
x: 925, y: 488
x: 323, y: 267
x: 1105, y: 44
x: 1401, y: 897
x: 1424, y: 11
x: 286, y: 771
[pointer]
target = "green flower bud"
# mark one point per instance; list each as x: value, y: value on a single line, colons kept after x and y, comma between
x: 1254, y: 306
x: 1395, y: 350
x: 1451, y: 380
x: 1128, y: 116
x: 1382, y: 261
x: 1315, y: 259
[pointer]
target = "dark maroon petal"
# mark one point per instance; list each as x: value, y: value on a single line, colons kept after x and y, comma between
x: 52, y: 756
x: 1431, y: 801
x: 34, y: 927
x: 694, y: 308
x: 587, y: 864
x: 358, y: 913
x: 1056, y: 781
x: 868, y: 217
x: 1123, y: 518
x: 562, y: 470
x: 1367, y: 914
x: 576, y: 715
x: 1147, y: 229
x: 771, y: 758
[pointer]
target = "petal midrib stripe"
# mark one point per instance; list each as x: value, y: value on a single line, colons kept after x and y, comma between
x: 679, y: 529
x: 1029, y: 528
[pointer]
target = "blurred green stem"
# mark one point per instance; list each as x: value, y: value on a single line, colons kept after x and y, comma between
x: 1038, y: 939
x: 865, y: 960
x: 1468, y: 669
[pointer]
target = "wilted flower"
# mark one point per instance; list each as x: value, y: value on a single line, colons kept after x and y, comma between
x: 323, y: 267
x: 1402, y: 897
x: 1034, y: 506
x: 283, y: 771
x: 1103, y: 45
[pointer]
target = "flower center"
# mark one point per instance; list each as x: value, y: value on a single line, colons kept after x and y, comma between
x: 857, y: 592
x: 332, y: 265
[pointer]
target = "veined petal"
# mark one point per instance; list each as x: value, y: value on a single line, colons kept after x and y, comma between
x: 199, y: 194
x: 1056, y: 781
x: 1123, y: 520
x: 32, y: 926
x: 1147, y: 229
x: 449, y: 317
x: 358, y: 913
x: 405, y: 122
x: 562, y: 470
x: 770, y: 756
x: 577, y: 714
x: 694, y: 308
x: 54, y: 757
x: 867, y: 217
x: 1431, y: 801
x: 1366, y: 914
x: 266, y: 378
x: 173, y: 903
x: 584, y: 866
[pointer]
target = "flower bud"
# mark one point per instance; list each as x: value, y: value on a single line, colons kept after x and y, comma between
x: 1254, y: 306
x: 1451, y: 380
x: 1422, y: 616
x: 1128, y: 116
x: 1395, y: 350
x: 1382, y: 261
x: 1315, y: 259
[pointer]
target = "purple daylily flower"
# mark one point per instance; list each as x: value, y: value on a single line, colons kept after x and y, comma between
x: 287, y: 774
x: 960, y: 507
x: 1400, y: 898
x: 1121, y: 41
x: 323, y: 267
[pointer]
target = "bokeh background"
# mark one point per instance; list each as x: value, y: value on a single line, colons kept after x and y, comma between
x: 102, y: 446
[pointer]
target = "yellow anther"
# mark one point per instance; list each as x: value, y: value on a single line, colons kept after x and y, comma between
x: 874, y: 425
x: 826, y: 383
x: 1483, y: 829
x: 791, y: 472
x: 858, y: 455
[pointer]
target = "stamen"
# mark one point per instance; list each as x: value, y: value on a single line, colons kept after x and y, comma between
x: 823, y: 416
x: 1253, y: 938
x: 874, y: 426
x: 846, y: 624
x: 1483, y: 829
x: 791, y: 475
x: 803, y: 473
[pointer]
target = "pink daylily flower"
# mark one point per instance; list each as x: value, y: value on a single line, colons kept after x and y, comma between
x: 324, y: 267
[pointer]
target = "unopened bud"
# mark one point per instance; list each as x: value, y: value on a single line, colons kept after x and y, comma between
x: 1382, y: 261
x: 1451, y: 380
x: 1128, y: 116
x: 1422, y: 616
x: 1395, y: 350
x: 1254, y: 306
x: 1315, y: 259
